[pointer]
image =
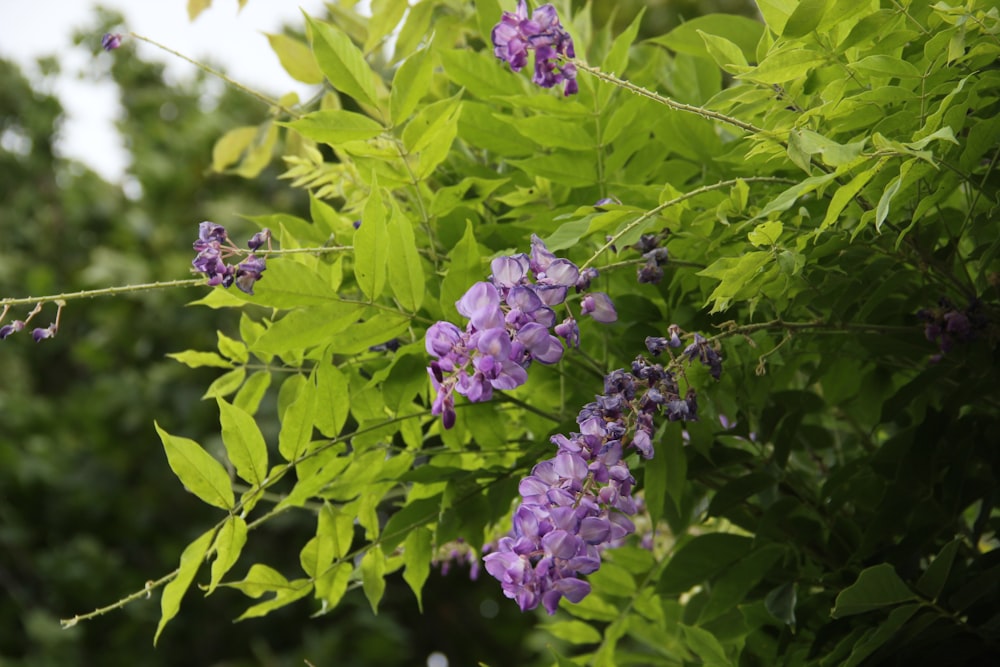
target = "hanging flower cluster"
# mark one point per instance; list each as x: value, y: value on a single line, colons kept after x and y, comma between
x: 516, y: 34
x: 947, y: 325
x: 213, y: 247
x: 511, y: 323
x: 578, y: 503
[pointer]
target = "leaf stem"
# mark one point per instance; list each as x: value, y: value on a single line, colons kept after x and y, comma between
x: 666, y: 101
x: 216, y: 73
x: 677, y: 200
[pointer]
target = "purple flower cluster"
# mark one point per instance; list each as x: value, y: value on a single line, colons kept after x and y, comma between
x: 947, y: 325
x: 213, y: 247
x: 456, y: 552
x: 578, y: 503
x: 511, y: 324
x: 38, y: 334
x: 655, y: 256
x: 516, y: 34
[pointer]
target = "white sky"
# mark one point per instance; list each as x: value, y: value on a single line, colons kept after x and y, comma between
x: 222, y: 34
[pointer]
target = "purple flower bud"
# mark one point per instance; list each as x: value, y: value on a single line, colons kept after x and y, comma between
x: 598, y: 305
x: 41, y: 334
x: 12, y: 328
x: 588, y: 275
x: 111, y: 41
x: 605, y: 201
x: 569, y: 331
x: 260, y: 238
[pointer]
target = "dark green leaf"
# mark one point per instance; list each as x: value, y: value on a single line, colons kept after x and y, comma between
x: 877, y: 586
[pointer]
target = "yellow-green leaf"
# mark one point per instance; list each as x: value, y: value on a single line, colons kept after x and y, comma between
x: 372, y: 576
x: 173, y: 592
x: 228, y: 546
x: 296, y: 58
x: 201, y: 474
x: 342, y: 62
x: 244, y: 443
x: 336, y: 126
x: 406, y: 274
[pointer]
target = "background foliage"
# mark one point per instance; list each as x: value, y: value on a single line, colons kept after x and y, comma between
x: 825, y: 182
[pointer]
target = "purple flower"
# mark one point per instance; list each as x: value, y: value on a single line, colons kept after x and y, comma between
x: 248, y: 272
x: 111, y: 41
x: 598, y: 305
x: 260, y: 238
x: 41, y: 334
x: 12, y: 328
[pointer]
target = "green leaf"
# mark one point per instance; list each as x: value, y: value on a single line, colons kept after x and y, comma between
x: 804, y: 18
x: 336, y: 126
x: 290, y: 284
x: 617, y: 59
x: 196, y: 7
x: 342, y: 62
x: 411, y: 517
x: 232, y: 349
x: 385, y: 16
x: 725, y: 53
x: 303, y: 329
x: 574, y: 632
x: 417, y: 558
x: 334, y: 583
x: 332, y: 392
x: 479, y: 73
x: 656, y: 480
x: 431, y: 132
x: 296, y: 58
x: 891, y: 190
x: 738, y: 580
x: 244, y: 443
x: 228, y: 546
x: 705, y: 645
x: 932, y: 581
x: 464, y: 270
x: 296, y: 589
x: 739, y: 30
x: 379, y: 329
x: 780, y: 602
x: 297, y: 423
x: 877, y: 586
x: 776, y: 13
x: 371, y: 251
x: 786, y: 199
x: 231, y: 146
x: 550, y: 132
x: 415, y: 28
x: 372, y: 575
x: 766, y: 234
x: 785, y: 65
x: 846, y: 193
x: 252, y: 392
x: 701, y: 559
x: 871, y: 643
x: 226, y: 383
x: 613, y: 580
x: 194, y: 359
x: 191, y: 559
x: 879, y: 65
x: 565, y: 168
x: 409, y: 85
x: 201, y: 474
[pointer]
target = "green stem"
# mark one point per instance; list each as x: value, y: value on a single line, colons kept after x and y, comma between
x: 107, y: 291
x: 214, y: 72
x: 677, y: 200
x: 666, y: 101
